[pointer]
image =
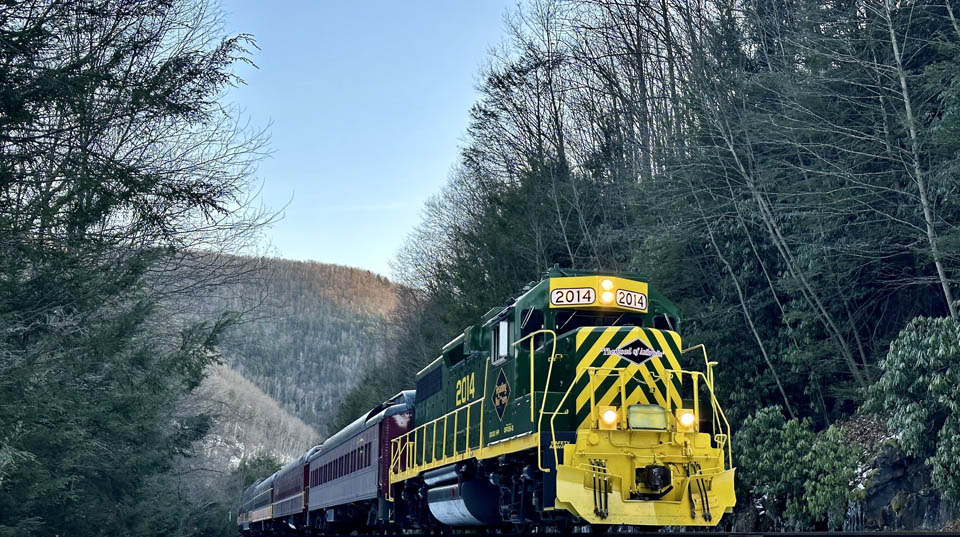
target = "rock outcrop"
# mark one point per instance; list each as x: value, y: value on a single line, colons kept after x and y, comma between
x: 898, y: 494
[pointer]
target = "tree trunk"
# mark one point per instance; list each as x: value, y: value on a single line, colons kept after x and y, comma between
x: 914, y: 166
x: 743, y: 304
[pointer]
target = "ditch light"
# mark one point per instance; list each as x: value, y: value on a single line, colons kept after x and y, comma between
x: 685, y: 420
x: 609, y: 417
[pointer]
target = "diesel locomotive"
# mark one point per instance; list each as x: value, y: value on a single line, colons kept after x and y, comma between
x: 575, y: 403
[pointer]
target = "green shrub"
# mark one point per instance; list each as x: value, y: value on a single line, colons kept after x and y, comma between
x: 259, y: 465
x: 919, y: 392
x: 801, y: 479
x: 770, y: 453
x: 831, y: 468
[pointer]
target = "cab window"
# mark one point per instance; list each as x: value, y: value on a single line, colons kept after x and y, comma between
x: 664, y: 322
x: 500, y: 347
x: 454, y: 355
x: 572, y: 319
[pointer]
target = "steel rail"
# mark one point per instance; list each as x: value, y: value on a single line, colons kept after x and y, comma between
x: 653, y: 531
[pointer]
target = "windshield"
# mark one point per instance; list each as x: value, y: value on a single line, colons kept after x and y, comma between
x: 571, y: 320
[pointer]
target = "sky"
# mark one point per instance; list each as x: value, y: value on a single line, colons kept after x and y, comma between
x: 367, y: 104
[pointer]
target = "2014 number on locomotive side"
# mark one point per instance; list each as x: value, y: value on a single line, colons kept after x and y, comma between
x: 466, y: 389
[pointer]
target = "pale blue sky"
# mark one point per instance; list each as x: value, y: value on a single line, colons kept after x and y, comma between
x: 368, y: 102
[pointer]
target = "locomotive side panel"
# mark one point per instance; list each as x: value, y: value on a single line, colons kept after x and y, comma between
x: 261, y: 507
x: 243, y: 513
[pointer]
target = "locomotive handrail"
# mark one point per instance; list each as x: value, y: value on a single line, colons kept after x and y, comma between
x: 553, y: 352
x: 553, y: 432
x: 546, y: 387
x: 708, y: 365
x: 404, y: 448
x: 722, y: 438
x: 718, y: 410
x: 709, y: 379
x: 715, y: 407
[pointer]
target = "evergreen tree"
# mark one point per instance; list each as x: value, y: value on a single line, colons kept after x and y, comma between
x: 121, y: 178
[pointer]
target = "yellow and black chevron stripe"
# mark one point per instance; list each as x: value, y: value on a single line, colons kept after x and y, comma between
x: 648, y: 384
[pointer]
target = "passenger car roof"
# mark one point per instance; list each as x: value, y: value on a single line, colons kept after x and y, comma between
x: 397, y: 404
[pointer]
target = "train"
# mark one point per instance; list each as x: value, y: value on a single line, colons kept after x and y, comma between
x: 573, y: 405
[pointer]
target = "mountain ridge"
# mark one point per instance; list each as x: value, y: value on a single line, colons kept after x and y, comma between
x: 317, y: 328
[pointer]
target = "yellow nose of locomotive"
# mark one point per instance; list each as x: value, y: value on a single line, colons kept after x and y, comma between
x: 640, y: 457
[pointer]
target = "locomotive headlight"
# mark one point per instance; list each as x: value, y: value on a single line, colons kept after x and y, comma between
x: 686, y: 419
x: 607, y: 285
x: 606, y: 297
x: 651, y: 417
x: 608, y: 417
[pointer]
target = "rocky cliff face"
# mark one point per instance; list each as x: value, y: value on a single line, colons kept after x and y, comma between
x: 898, y: 494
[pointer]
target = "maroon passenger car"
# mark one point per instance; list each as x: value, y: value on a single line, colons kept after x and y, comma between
x: 337, y: 485
x: 348, y: 477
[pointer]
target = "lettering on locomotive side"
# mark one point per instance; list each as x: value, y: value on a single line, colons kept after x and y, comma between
x: 466, y: 389
x: 501, y: 394
x: 636, y: 351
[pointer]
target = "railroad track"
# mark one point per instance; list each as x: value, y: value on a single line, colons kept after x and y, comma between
x: 708, y: 533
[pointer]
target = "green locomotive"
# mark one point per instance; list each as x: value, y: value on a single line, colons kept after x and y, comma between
x: 568, y: 404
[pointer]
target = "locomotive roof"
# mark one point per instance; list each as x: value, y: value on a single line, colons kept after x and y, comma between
x: 248, y: 492
x: 397, y: 404
x: 658, y: 302
x: 538, y: 290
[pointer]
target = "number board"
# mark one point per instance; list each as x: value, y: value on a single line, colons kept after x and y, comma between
x: 599, y: 291
x: 573, y: 296
x: 632, y: 300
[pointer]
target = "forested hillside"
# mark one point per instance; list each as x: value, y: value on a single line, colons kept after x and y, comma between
x: 246, y: 422
x: 787, y: 172
x: 315, y: 326
x: 249, y: 437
